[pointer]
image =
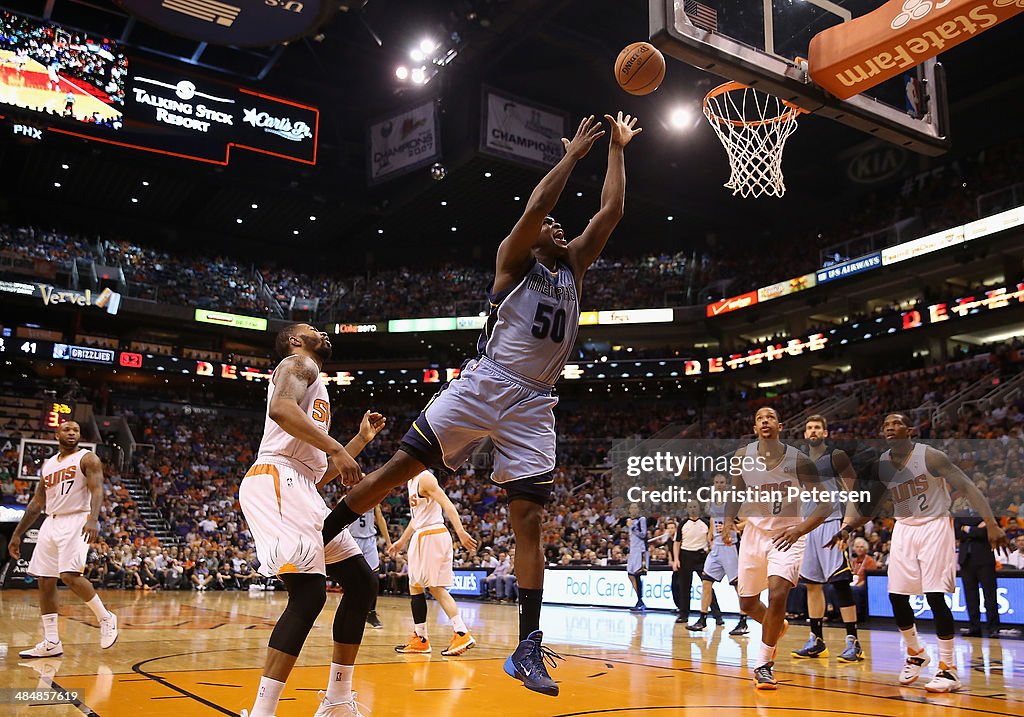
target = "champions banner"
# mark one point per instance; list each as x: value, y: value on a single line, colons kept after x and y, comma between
x: 521, y: 131
x: 404, y: 142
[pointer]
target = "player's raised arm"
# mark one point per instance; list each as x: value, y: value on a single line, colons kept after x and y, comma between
x: 584, y: 249
x: 33, y: 510
x: 291, y: 379
x: 938, y: 463
x: 429, y: 488
x: 514, y: 255
x: 93, y: 469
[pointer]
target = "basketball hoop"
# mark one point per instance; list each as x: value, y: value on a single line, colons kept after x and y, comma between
x: 753, y: 126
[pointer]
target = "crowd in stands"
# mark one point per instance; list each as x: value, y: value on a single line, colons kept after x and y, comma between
x: 940, y: 198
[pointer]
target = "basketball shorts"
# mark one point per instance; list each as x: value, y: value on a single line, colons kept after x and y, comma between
x: 488, y: 401
x: 922, y: 558
x: 368, y: 547
x: 60, y: 547
x: 636, y: 562
x: 285, y: 513
x: 430, y: 558
x: 821, y: 564
x: 722, y: 562
x: 759, y: 559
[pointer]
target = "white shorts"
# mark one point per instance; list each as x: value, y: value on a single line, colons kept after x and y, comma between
x: 759, y: 559
x: 60, y: 547
x: 430, y: 558
x: 922, y: 558
x: 285, y: 513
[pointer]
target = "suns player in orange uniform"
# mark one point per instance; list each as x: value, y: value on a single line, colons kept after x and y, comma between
x: 430, y: 563
x: 70, y: 492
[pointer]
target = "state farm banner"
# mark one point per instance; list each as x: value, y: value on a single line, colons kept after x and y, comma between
x: 404, y: 142
x: 512, y: 128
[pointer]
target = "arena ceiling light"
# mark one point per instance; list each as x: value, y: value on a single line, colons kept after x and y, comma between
x: 402, y: 72
x: 681, y: 118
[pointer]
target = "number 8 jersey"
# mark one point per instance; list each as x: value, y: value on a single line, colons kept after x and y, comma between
x: 532, y: 327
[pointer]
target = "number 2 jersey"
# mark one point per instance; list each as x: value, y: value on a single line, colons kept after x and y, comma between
x: 917, y: 495
x: 64, y: 480
x: 279, y: 445
x: 532, y: 327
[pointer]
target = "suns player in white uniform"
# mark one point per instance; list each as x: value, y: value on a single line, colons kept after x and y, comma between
x: 285, y: 513
x: 773, y: 542
x: 364, y: 530
x: 922, y: 557
x: 70, y: 492
x: 430, y: 562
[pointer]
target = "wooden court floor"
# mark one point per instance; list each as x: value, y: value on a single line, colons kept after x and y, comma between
x: 200, y: 654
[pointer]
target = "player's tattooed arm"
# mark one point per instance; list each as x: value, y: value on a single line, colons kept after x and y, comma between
x: 938, y: 463
x: 291, y: 381
x: 93, y: 469
x: 33, y: 510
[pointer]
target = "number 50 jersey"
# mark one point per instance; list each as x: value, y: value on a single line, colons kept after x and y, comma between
x: 532, y: 327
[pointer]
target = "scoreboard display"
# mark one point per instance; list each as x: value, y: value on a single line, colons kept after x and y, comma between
x: 56, y: 413
x: 69, y: 83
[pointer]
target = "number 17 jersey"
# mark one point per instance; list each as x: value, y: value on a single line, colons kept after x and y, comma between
x: 532, y: 327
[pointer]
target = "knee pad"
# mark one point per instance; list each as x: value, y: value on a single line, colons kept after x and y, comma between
x: 844, y: 594
x: 356, y: 580
x: 944, y: 626
x: 902, y: 611
x: 306, y: 597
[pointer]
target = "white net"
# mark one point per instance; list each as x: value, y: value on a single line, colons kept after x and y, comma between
x: 753, y: 126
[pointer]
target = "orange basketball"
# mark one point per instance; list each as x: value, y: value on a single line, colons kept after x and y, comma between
x: 640, y: 68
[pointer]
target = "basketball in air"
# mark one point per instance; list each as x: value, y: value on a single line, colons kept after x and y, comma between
x: 640, y: 68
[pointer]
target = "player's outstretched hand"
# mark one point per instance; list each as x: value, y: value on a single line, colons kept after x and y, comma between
x: 371, y: 425
x: 91, y: 531
x: 587, y: 133
x: 623, y: 128
x: 467, y: 541
x: 347, y: 467
x: 997, y: 537
x: 785, y: 539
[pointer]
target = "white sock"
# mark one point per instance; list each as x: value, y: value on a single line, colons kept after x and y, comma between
x: 96, y: 605
x: 946, y: 653
x: 458, y: 624
x: 765, y: 654
x: 50, y: 628
x: 420, y: 629
x: 339, y: 684
x: 910, y: 636
x: 267, y: 697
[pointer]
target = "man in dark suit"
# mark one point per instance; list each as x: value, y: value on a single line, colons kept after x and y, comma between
x: 977, y: 565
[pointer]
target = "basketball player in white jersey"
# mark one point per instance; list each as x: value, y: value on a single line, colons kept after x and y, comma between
x: 922, y: 557
x: 364, y: 530
x: 285, y: 513
x: 430, y: 563
x: 773, y: 542
x: 70, y: 492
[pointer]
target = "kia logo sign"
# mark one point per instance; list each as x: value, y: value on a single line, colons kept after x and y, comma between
x: 244, y: 23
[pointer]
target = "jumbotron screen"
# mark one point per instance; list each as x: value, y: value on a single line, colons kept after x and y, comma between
x: 61, y: 73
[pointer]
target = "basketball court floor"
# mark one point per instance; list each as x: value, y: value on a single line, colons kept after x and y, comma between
x: 199, y: 654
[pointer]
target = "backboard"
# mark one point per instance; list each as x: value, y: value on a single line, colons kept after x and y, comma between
x: 762, y: 43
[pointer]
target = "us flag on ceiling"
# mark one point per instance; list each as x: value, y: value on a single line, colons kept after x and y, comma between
x: 701, y: 15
